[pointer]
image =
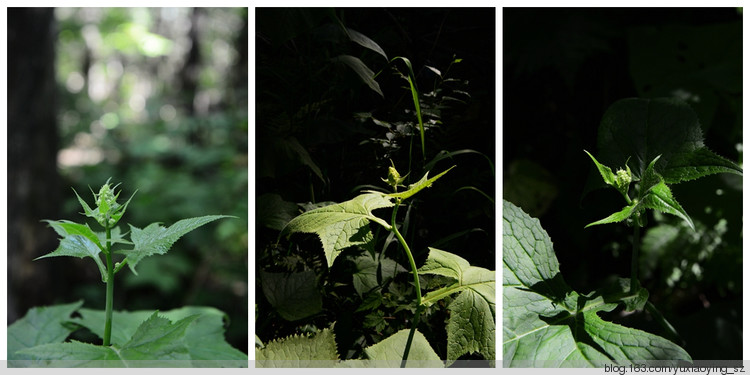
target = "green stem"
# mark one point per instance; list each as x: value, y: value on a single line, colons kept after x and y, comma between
x: 411, y: 335
x: 634, y: 261
x: 110, y: 291
x: 394, y: 229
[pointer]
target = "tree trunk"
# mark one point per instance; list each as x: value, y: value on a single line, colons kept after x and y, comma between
x: 33, y: 181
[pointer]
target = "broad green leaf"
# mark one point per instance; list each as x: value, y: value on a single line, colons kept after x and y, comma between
x: 366, y: 278
x: 204, y: 337
x: 364, y: 41
x: 364, y: 73
x: 80, y: 247
x: 293, y: 295
x: 617, y: 217
x: 155, y: 239
x: 317, y: 350
x: 547, y: 324
x: 699, y: 163
x: 660, y: 198
x: 40, y: 325
x: 389, y: 352
x: 273, y: 212
x: 157, y: 342
x: 67, y: 228
x: 471, y: 326
x: 642, y: 129
x: 419, y: 185
x: 341, y: 225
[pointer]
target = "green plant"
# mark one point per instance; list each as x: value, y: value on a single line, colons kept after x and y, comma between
x: 343, y: 225
x: 189, y: 336
x: 655, y: 143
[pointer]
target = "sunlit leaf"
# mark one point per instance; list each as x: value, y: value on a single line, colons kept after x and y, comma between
x: 341, y: 225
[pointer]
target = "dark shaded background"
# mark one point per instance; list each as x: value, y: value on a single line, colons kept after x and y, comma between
x: 156, y: 99
x: 309, y: 116
x: 562, y: 68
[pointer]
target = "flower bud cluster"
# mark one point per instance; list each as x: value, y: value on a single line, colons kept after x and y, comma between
x: 623, y: 178
x: 107, y: 202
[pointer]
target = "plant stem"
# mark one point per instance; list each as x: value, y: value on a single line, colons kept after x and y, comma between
x: 110, y: 291
x: 413, y: 265
x: 634, y: 261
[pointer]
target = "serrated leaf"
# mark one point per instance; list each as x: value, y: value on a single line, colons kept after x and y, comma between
x: 341, y: 225
x: 80, y: 247
x: 293, y: 295
x: 606, y: 172
x: 471, y: 326
x: 645, y: 128
x: 617, y: 217
x: 414, y: 188
x: 86, y: 209
x: 317, y: 350
x: 365, y: 278
x: 389, y: 352
x: 155, y: 239
x: 364, y: 73
x: 67, y: 228
x: 40, y: 325
x: 204, y: 337
x: 157, y: 342
x: 660, y: 198
x: 547, y: 324
x: 699, y: 163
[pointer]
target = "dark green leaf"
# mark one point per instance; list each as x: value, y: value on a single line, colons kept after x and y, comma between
x: 364, y: 73
x: 40, y: 325
x: 547, y: 324
x: 204, y: 337
x: 364, y: 41
x: 294, y: 296
x: 643, y: 129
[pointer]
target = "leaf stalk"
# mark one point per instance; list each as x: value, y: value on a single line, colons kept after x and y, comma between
x: 394, y: 229
x: 110, y: 289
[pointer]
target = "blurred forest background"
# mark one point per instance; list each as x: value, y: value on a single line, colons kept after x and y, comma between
x: 327, y: 131
x: 562, y: 68
x: 156, y: 99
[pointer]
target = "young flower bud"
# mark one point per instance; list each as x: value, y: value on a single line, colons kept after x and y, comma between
x: 623, y: 178
x: 394, y: 178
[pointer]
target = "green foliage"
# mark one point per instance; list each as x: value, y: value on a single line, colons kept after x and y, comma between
x: 547, y: 324
x: 665, y: 133
x: 299, y: 351
x: 351, y: 107
x: 470, y: 328
x: 135, y: 339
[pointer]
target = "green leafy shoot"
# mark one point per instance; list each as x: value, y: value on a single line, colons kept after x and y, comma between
x: 345, y: 224
x: 78, y: 240
x: 652, y: 193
